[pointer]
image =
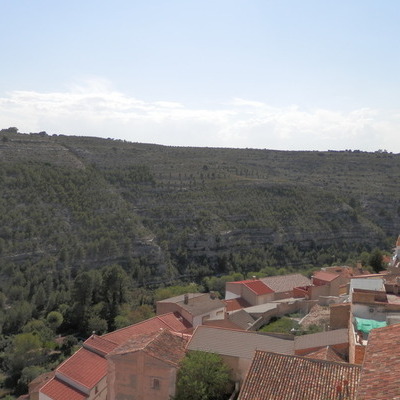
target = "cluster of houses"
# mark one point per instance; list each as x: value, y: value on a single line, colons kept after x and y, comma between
x: 356, y: 356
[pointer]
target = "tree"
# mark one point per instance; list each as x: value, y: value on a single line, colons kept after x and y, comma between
x: 114, y: 291
x: 28, y: 374
x: 39, y: 328
x: 54, y: 320
x: 25, y: 351
x: 68, y: 345
x: 376, y: 260
x: 203, y: 376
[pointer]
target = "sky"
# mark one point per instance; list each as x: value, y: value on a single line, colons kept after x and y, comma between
x: 274, y: 74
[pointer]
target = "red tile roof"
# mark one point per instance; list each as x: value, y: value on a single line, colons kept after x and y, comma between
x: 221, y: 323
x: 325, y: 276
x: 236, y: 304
x: 285, y: 283
x: 171, y: 321
x: 285, y: 377
x: 99, y: 345
x: 380, y: 376
x: 325, y: 353
x: 58, y: 390
x: 88, y: 365
x: 84, y: 367
x: 164, y: 345
x: 256, y: 286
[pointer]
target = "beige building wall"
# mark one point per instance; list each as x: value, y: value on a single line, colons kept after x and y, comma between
x: 238, y: 367
x: 339, y: 316
x: 140, y: 376
x: 233, y: 290
x: 99, y: 392
x: 165, y: 308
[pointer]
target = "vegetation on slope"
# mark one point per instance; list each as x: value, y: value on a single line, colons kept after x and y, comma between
x: 78, y: 215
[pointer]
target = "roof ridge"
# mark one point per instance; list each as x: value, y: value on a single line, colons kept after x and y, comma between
x: 318, y: 361
x: 137, y: 324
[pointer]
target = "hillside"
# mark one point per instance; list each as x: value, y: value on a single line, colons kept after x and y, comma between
x: 166, y: 212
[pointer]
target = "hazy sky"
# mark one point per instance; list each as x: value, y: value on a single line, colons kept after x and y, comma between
x: 281, y: 74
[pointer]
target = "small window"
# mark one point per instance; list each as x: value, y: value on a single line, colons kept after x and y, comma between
x: 155, y: 384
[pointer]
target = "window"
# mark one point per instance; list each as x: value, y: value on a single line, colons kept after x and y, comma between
x: 155, y: 383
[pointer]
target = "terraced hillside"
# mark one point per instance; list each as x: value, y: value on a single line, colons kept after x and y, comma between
x: 167, y: 212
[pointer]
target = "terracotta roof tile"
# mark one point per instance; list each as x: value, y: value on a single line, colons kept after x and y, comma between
x: 169, y: 321
x: 255, y: 285
x: 99, y: 345
x: 236, y: 304
x: 58, y: 390
x: 175, y: 322
x: 325, y: 353
x: 197, y: 303
x: 380, y: 376
x: 84, y: 367
x: 258, y: 287
x: 221, y: 323
x: 325, y: 276
x: 285, y: 377
x: 164, y: 345
x: 242, y: 319
x: 284, y: 283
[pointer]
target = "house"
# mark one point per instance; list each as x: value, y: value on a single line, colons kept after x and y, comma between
x: 237, y: 347
x: 330, y: 281
x: 264, y: 290
x: 145, y: 367
x: 252, y: 291
x: 380, y: 375
x: 281, y: 376
x: 371, y: 308
x: 373, y: 282
x: 283, y: 285
x: 194, y: 307
x: 83, y: 376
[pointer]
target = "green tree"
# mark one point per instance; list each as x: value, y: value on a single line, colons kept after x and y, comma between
x: 38, y: 327
x: 28, y: 374
x: 115, y: 286
x: 376, y: 260
x: 68, y: 345
x: 203, y: 376
x: 54, y: 320
x: 25, y: 351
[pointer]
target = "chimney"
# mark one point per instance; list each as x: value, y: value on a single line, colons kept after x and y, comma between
x: 186, y: 298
